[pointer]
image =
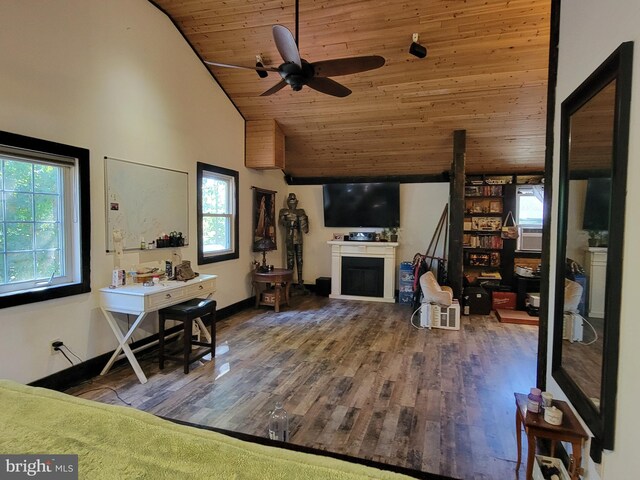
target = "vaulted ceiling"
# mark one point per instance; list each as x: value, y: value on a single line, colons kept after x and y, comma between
x: 485, y: 72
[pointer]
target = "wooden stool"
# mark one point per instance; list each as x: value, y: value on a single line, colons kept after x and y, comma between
x: 188, y: 312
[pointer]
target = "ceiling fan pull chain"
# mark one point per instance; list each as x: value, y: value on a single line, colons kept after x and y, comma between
x: 297, y: 24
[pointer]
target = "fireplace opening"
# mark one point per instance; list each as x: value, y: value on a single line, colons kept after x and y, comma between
x: 362, y: 276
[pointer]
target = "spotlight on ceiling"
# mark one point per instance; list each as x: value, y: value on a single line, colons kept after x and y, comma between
x: 417, y: 49
x: 261, y: 73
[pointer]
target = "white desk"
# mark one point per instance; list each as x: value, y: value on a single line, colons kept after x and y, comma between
x: 140, y: 301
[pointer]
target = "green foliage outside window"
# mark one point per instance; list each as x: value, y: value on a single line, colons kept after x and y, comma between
x: 31, y: 231
x: 215, y: 211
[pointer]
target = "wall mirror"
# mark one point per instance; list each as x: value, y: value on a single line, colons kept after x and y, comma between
x: 592, y: 189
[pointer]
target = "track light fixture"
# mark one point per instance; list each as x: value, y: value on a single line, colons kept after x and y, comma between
x: 259, y: 64
x: 417, y: 49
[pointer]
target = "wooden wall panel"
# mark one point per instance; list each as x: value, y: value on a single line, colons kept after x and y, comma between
x: 264, y: 145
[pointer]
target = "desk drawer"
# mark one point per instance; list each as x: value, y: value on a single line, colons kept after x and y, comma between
x: 202, y: 289
x: 160, y: 300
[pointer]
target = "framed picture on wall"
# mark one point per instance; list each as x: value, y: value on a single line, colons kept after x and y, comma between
x: 264, y: 220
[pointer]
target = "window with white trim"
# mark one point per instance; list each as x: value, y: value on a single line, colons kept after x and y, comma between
x: 217, y: 214
x: 44, y: 252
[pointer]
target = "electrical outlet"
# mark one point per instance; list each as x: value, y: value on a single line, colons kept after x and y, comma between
x: 53, y: 351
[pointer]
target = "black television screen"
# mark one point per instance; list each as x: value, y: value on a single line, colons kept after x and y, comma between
x: 361, y: 205
x: 596, y: 204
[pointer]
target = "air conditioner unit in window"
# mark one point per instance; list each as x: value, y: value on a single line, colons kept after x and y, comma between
x: 530, y: 239
x: 572, y: 327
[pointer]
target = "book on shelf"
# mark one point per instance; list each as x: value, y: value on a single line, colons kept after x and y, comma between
x: 490, y: 276
x: 483, y: 191
x: 470, y: 240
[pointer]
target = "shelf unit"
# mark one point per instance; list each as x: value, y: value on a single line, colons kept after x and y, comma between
x: 482, y: 243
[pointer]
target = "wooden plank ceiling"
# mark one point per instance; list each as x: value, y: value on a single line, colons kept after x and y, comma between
x: 486, y: 72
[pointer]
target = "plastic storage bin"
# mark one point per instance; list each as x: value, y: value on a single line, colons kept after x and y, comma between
x: 405, y: 283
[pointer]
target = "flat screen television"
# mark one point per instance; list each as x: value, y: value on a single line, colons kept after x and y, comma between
x: 374, y: 205
x: 596, y: 204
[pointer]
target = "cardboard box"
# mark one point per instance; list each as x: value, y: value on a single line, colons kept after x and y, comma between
x: 550, y: 462
x: 505, y: 300
x: 269, y: 297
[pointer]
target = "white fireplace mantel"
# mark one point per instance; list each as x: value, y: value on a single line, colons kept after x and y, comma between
x: 384, y: 250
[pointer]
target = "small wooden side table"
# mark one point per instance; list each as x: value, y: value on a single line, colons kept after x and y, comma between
x: 535, y: 427
x: 277, y: 276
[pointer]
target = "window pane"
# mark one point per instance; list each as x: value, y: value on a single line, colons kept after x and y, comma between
x: 215, y: 195
x: 47, y: 236
x: 2, y: 260
x: 19, y: 236
x: 46, y: 208
x: 215, y: 234
x: 47, y: 262
x: 529, y: 210
x: 18, y: 176
x: 19, y: 207
x: 1, y: 237
x: 45, y: 178
x: 20, y: 266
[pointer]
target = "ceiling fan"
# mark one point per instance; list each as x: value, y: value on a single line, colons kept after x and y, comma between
x: 297, y: 72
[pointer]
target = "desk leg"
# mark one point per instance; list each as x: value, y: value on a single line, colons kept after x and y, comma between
x: 576, y: 449
x: 203, y: 329
x: 256, y: 287
x: 277, y: 302
x: 123, y: 346
x: 518, y: 438
x: 531, y: 454
x: 286, y: 293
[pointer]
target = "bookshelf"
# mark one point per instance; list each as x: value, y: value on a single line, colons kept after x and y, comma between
x: 482, y: 242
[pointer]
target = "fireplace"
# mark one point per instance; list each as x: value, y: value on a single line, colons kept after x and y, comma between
x: 363, y: 270
x: 362, y: 276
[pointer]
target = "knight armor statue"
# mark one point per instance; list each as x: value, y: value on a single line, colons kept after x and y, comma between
x: 296, y: 223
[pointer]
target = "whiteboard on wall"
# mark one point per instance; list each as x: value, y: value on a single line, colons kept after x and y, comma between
x: 144, y: 202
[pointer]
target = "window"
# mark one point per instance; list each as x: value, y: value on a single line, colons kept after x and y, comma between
x: 529, y: 209
x: 44, y: 220
x: 217, y: 214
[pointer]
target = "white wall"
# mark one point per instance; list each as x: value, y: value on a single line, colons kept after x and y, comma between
x: 589, y: 31
x: 117, y: 78
x: 421, y: 205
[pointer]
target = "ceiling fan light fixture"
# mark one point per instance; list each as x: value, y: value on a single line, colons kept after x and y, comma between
x: 259, y: 64
x: 416, y: 49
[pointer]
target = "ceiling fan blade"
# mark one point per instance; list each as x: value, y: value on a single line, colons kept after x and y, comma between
x: 277, y: 87
x: 328, y: 86
x: 227, y: 65
x: 346, y: 66
x: 286, y: 45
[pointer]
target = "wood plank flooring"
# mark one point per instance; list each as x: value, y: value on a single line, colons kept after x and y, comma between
x: 356, y: 378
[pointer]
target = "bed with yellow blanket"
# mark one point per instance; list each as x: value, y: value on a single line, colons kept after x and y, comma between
x: 114, y: 442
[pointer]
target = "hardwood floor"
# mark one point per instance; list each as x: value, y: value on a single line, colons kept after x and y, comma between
x: 356, y: 378
x: 583, y: 361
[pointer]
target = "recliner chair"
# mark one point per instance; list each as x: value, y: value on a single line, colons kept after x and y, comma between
x: 432, y: 292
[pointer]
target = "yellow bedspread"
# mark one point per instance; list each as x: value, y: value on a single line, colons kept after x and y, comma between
x: 114, y: 442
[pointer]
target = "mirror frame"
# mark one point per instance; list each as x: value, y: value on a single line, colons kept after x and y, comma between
x: 601, y: 421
